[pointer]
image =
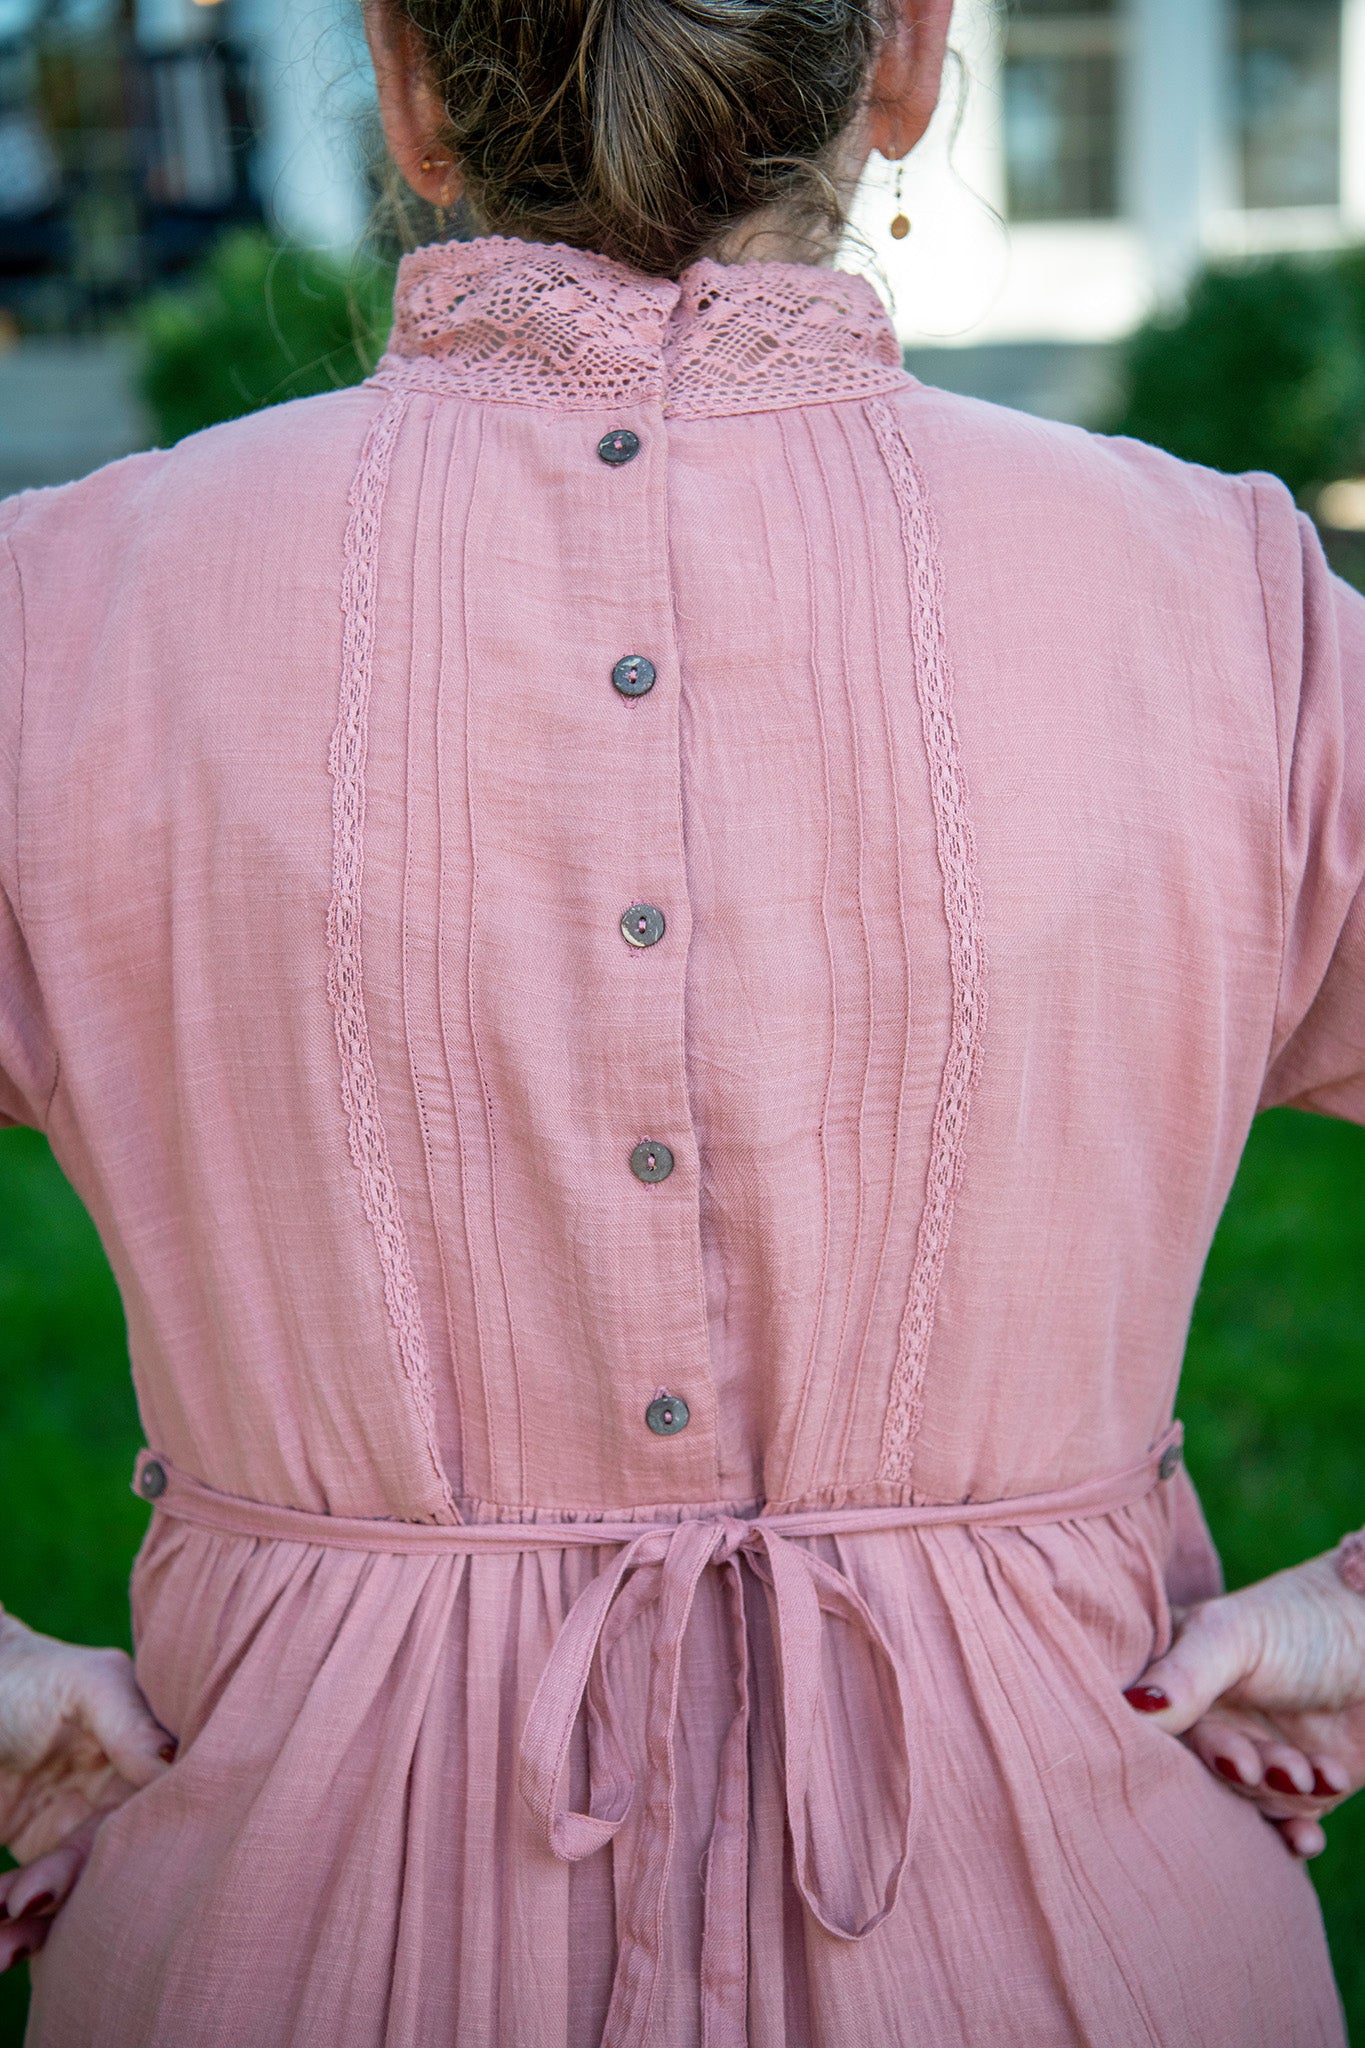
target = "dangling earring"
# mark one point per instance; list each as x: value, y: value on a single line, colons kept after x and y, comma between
x: 429, y: 164
x: 900, y: 225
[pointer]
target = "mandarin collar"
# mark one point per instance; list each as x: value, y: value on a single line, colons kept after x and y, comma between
x: 539, y: 323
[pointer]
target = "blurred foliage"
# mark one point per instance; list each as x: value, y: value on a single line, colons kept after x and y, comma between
x: 260, y: 322
x: 1263, y: 367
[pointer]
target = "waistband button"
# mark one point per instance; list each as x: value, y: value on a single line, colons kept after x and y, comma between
x: 151, y: 1480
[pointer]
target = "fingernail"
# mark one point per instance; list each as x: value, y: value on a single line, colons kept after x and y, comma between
x: 1322, y: 1788
x: 43, y: 1903
x: 167, y: 1752
x: 1280, y: 1781
x: 1148, y: 1699
x: 1227, y: 1768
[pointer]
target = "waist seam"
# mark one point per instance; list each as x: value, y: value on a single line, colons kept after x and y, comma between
x: 175, y: 1494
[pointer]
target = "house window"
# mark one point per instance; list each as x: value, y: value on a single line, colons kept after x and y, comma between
x: 1289, y: 101
x: 1061, y: 109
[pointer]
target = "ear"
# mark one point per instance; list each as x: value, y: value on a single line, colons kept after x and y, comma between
x: 409, y: 105
x: 908, y: 75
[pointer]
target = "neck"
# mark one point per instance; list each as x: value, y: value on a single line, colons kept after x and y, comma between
x: 785, y: 233
x: 772, y: 236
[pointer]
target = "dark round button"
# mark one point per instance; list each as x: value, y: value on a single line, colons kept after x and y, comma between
x: 642, y: 925
x: 633, y: 675
x: 151, y: 1480
x: 1169, y: 1463
x: 650, y: 1161
x: 620, y: 445
x: 667, y: 1414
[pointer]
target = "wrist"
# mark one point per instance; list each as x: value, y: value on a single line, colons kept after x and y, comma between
x: 14, y: 1634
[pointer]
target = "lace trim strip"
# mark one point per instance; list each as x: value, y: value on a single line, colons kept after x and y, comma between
x: 962, y: 909
x: 359, y: 1086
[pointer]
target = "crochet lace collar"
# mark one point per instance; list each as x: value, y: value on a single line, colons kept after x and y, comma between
x: 537, y: 323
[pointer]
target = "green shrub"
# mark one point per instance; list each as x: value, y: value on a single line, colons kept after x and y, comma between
x: 1262, y: 368
x: 260, y: 322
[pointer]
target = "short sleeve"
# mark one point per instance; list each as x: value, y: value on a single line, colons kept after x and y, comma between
x: 27, y: 1058
x: 1316, y: 629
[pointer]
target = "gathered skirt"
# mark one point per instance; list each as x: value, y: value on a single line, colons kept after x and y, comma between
x: 351, y: 1851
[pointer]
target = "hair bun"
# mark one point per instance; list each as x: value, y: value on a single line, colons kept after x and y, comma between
x: 644, y: 129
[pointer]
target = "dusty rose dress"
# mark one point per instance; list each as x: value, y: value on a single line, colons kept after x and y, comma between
x: 606, y: 1603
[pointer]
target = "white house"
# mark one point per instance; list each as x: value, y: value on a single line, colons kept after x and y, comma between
x: 1092, y: 150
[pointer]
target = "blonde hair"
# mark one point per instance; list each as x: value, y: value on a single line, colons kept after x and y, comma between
x: 645, y: 129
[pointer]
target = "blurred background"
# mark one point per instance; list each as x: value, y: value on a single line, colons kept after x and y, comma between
x: 1144, y: 216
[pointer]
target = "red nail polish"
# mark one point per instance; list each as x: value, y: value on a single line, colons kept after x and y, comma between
x: 1148, y: 1699
x: 44, y: 1903
x: 1280, y: 1781
x: 167, y: 1752
x: 1321, y: 1787
x: 1226, y: 1768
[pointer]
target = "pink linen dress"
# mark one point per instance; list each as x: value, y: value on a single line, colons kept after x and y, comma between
x: 653, y: 947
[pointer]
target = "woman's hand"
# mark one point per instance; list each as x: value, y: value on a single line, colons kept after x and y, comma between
x: 76, y: 1740
x: 1267, y: 1687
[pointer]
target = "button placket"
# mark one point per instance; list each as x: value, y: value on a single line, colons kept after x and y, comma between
x: 642, y: 926
x: 561, y: 1045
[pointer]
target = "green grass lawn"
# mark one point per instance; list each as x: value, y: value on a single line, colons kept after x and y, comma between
x: 1273, y: 1402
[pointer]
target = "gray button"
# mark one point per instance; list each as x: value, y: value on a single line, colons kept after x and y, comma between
x: 633, y: 675
x: 1170, y: 1462
x: 667, y: 1414
x: 642, y: 925
x: 650, y: 1161
x: 151, y: 1480
x: 620, y: 445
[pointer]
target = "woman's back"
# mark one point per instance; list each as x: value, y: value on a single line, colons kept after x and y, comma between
x: 977, y: 780
x: 642, y: 921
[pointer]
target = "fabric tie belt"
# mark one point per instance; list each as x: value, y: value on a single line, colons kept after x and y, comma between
x: 657, y: 1571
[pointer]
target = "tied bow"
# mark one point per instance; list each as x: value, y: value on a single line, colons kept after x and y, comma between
x: 844, y: 1883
